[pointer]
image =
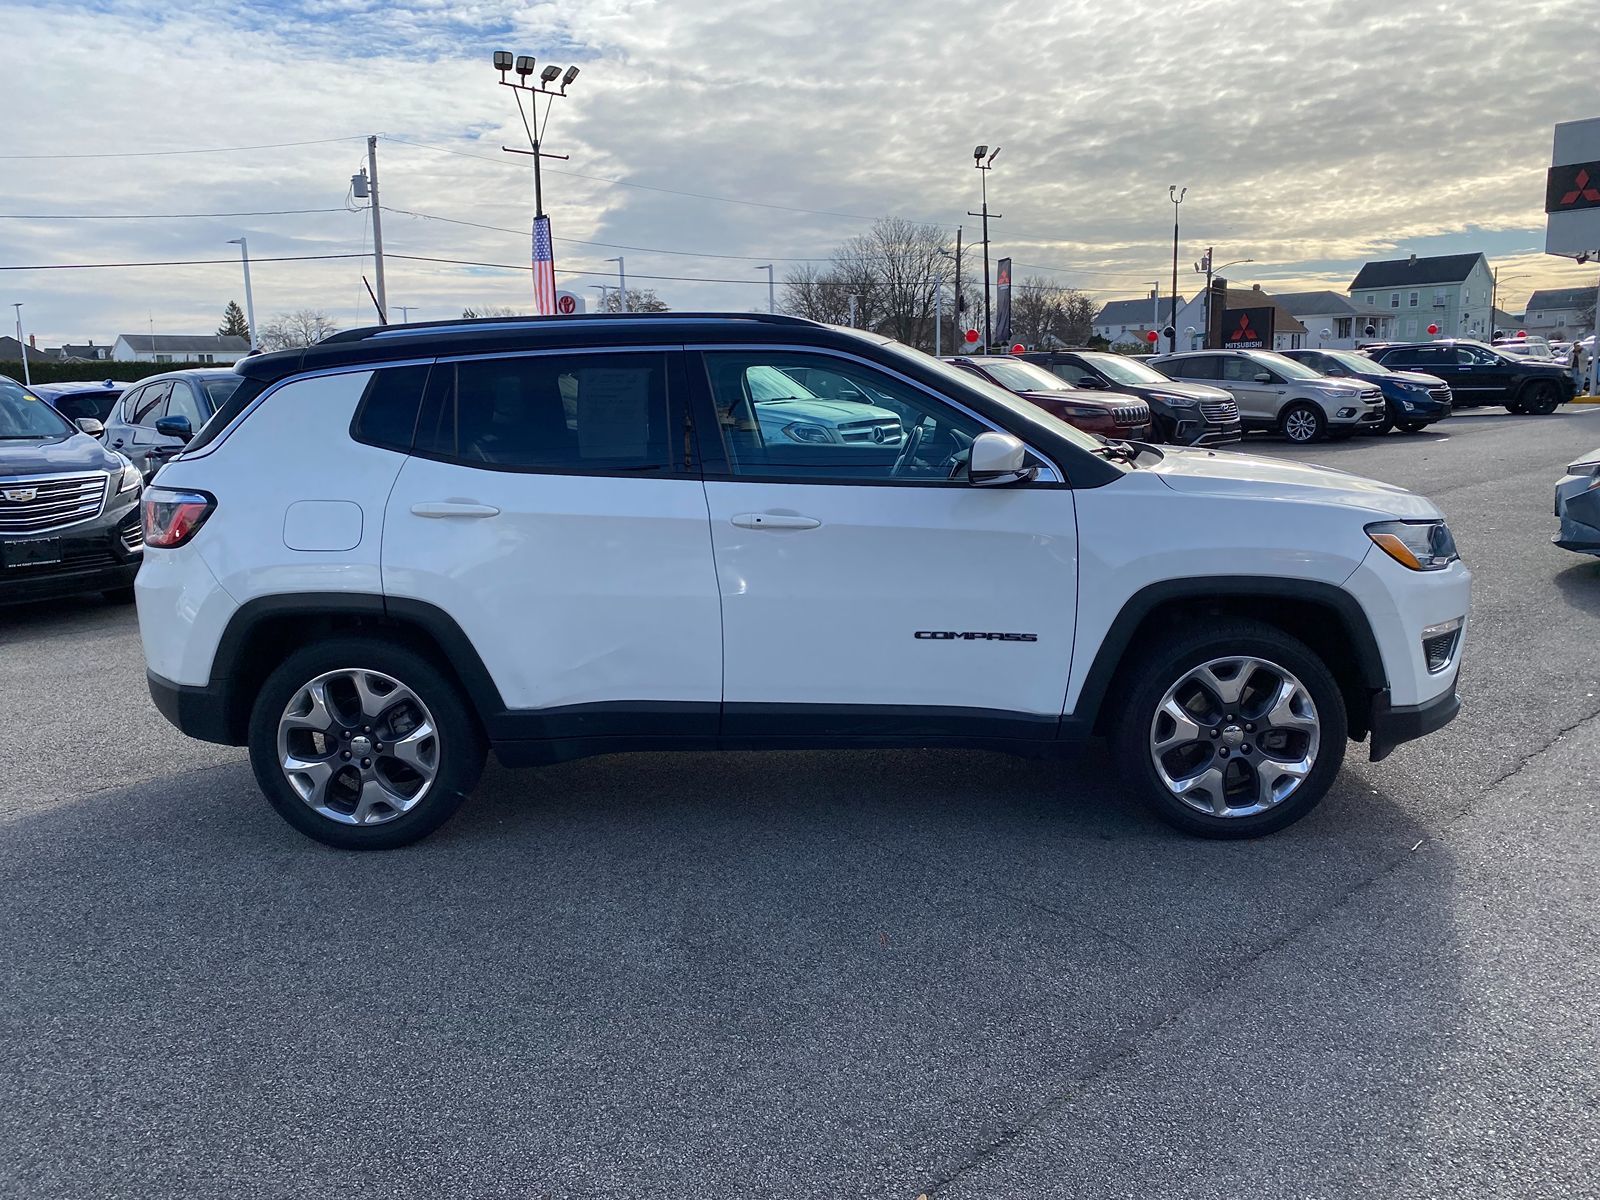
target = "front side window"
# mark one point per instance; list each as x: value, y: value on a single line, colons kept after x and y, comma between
x: 596, y: 413
x: 1242, y: 370
x: 878, y: 430
x: 185, y: 404
x: 1072, y: 374
x: 148, y: 404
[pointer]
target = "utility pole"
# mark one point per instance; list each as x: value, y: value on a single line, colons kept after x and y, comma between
x: 984, y: 165
x: 1176, y: 197
x: 772, y: 295
x: 1205, y: 265
x: 377, y: 230
x: 249, y: 297
x: 938, y: 318
x: 957, y: 320
x: 22, y: 346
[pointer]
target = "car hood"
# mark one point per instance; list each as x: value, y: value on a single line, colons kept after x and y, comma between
x: 1417, y: 377
x: 1089, y: 398
x: 1189, y: 391
x: 77, y: 452
x: 827, y: 412
x: 1217, y: 473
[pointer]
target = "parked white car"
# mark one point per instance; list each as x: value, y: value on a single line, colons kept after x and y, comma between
x: 1276, y: 393
x: 401, y: 547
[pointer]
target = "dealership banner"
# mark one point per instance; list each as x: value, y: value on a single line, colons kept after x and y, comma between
x: 1248, y: 328
x: 1002, y: 303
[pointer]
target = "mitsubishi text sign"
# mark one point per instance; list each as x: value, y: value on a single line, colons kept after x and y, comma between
x: 1572, y: 190
x: 1248, y: 328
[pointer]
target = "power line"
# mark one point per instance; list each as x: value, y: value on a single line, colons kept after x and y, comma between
x: 275, y: 212
x: 162, y: 153
x: 178, y: 262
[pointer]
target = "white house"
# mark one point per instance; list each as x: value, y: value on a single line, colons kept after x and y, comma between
x: 1288, y: 332
x: 178, y: 348
x: 1128, y: 322
x: 1451, y: 291
x: 1332, y: 322
x: 1560, y: 314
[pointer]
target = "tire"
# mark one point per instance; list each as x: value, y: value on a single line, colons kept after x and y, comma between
x: 1383, y: 426
x: 1540, y: 398
x: 1413, y: 426
x: 397, y: 798
x: 1313, y: 729
x: 1303, y: 423
x: 121, y: 595
x: 1516, y: 408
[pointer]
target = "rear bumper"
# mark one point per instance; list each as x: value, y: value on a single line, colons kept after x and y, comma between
x: 1391, y: 725
x: 198, y: 711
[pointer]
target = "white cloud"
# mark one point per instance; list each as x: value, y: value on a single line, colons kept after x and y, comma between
x: 1311, y: 136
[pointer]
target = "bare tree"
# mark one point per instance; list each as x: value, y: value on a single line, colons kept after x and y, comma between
x: 644, y: 300
x: 304, y: 327
x: 1044, y: 314
x: 817, y: 295
x: 489, y: 310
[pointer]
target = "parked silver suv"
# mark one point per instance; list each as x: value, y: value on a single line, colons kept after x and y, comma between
x: 1277, y: 393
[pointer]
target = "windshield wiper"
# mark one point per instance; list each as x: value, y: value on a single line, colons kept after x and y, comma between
x: 26, y: 437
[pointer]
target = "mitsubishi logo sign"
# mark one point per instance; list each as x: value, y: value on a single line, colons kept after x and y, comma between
x: 1572, y: 191
x: 1248, y: 328
x: 1571, y: 187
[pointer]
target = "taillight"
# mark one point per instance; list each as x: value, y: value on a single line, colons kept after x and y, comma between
x: 172, y: 517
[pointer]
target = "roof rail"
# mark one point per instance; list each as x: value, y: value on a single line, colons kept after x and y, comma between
x: 491, y: 324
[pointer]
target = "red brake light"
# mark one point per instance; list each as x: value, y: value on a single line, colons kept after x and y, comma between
x: 172, y: 517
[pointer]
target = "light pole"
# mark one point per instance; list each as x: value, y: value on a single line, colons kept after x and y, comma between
x: 249, y: 296
x: 603, y: 289
x: 984, y: 165
x: 622, y: 284
x: 1176, y: 197
x: 22, y: 346
x: 405, y: 312
x: 772, y: 294
x: 544, y: 266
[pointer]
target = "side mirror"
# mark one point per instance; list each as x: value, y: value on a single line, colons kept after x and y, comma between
x: 997, y: 459
x: 90, y: 426
x: 1261, y: 377
x: 175, y: 427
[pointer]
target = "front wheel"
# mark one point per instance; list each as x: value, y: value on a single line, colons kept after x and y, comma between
x: 1413, y: 426
x: 1233, y: 731
x: 1302, y: 423
x: 1540, y: 398
x: 363, y: 745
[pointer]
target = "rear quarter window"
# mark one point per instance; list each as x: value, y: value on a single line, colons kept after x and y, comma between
x: 387, y: 415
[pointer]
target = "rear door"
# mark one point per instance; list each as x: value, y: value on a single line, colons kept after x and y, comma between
x: 553, y: 508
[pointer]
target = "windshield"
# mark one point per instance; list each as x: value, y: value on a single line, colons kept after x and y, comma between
x: 1121, y: 369
x: 1023, y: 377
x: 24, y: 417
x: 1357, y: 364
x: 1027, y: 414
x: 769, y: 383
x: 1525, y: 349
x: 220, y: 388
x: 1287, y: 367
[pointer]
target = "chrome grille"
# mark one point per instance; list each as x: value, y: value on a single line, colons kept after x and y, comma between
x: 1219, y: 412
x: 41, y: 505
x: 1442, y: 395
x: 1372, y: 395
x: 1132, y: 414
x: 865, y: 431
x: 133, y: 536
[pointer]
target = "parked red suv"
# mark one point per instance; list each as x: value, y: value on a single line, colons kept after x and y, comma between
x: 1108, y: 414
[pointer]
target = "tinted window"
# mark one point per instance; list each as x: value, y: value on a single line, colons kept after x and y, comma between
x: 92, y: 405
x: 1473, y: 357
x: 1193, y: 368
x: 894, y: 432
x: 388, y: 413
x: 219, y: 389
x: 600, y: 412
x: 185, y: 404
x: 1242, y: 370
x: 147, y: 404
x: 1071, y: 373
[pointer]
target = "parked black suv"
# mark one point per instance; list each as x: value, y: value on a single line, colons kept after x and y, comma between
x: 69, y: 507
x: 1480, y: 374
x: 1183, y: 414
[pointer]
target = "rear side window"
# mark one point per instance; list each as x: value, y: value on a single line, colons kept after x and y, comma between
x: 1192, y: 368
x: 588, y: 414
x: 387, y: 416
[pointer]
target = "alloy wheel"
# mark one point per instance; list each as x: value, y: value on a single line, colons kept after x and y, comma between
x: 1234, y: 737
x: 1300, y: 425
x: 358, y: 747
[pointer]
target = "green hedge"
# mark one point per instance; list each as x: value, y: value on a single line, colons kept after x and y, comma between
x: 74, y: 372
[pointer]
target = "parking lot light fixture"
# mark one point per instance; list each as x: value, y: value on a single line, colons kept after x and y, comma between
x: 524, y: 65
x: 985, y: 165
x: 502, y: 62
x: 548, y: 75
x: 1176, y: 196
x: 566, y: 80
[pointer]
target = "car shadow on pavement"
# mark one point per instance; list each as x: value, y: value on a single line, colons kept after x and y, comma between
x: 700, y: 974
x: 1579, y: 585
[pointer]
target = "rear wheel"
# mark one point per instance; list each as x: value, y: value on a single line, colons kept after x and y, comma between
x: 363, y: 745
x: 1302, y: 422
x: 1233, y: 731
x: 1540, y: 397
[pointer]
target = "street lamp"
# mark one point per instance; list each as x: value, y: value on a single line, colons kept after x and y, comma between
x: 22, y: 346
x: 1176, y: 197
x: 983, y: 159
x: 544, y: 255
x: 622, y: 284
x: 772, y: 295
x: 249, y: 296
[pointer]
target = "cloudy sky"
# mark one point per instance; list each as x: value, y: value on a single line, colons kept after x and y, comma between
x: 707, y: 137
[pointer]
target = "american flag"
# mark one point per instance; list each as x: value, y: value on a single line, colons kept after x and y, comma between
x: 544, y: 269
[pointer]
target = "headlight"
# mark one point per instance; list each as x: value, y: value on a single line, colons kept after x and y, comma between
x: 1418, y: 545
x: 799, y: 431
x: 130, y: 478
x: 1174, y: 401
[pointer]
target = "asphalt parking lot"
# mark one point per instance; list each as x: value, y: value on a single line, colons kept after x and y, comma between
x: 816, y: 974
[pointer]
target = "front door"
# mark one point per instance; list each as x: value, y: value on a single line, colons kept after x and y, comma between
x: 868, y: 590
x: 552, y: 510
x: 1259, y: 401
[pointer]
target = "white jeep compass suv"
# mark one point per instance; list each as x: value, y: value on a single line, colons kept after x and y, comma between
x: 402, y: 547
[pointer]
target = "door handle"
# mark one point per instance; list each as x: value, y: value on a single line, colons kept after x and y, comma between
x: 774, y: 521
x: 453, y: 508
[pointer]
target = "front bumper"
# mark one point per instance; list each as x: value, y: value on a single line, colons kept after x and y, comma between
x: 1578, y: 510
x: 1392, y: 725
x: 100, y: 556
